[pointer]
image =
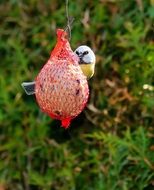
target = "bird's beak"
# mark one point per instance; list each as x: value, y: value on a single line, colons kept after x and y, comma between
x: 81, y: 61
x: 81, y: 58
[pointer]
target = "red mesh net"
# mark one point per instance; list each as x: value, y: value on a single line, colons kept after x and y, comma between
x: 61, y: 88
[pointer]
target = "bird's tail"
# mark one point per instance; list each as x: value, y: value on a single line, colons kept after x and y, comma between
x: 29, y: 87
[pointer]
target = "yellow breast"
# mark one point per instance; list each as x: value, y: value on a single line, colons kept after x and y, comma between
x: 88, y: 69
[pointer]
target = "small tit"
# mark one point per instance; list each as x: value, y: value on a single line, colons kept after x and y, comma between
x: 87, y: 60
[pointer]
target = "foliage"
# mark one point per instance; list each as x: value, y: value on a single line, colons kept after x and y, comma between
x: 110, y: 145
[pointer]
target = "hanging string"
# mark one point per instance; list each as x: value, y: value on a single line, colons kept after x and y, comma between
x: 69, y: 20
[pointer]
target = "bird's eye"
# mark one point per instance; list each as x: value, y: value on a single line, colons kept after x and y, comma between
x: 77, y: 52
x: 85, y: 52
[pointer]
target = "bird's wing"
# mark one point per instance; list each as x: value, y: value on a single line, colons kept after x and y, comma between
x: 29, y: 87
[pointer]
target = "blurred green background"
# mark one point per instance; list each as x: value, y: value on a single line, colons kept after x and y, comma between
x: 110, y: 146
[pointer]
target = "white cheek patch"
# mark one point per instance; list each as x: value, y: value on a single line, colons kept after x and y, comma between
x: 88, y: 59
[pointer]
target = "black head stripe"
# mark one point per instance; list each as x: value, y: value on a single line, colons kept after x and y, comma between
x: 85, y: 52
x: 77, y: 52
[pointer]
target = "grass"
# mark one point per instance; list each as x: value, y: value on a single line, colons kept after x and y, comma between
x: 110, y: 146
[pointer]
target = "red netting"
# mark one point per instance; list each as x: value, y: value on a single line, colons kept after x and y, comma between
x: 61, y: 88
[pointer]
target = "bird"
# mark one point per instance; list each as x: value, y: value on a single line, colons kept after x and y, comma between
x: 86, y: 62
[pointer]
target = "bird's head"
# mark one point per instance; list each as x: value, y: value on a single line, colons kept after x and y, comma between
x: 85, y: 55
